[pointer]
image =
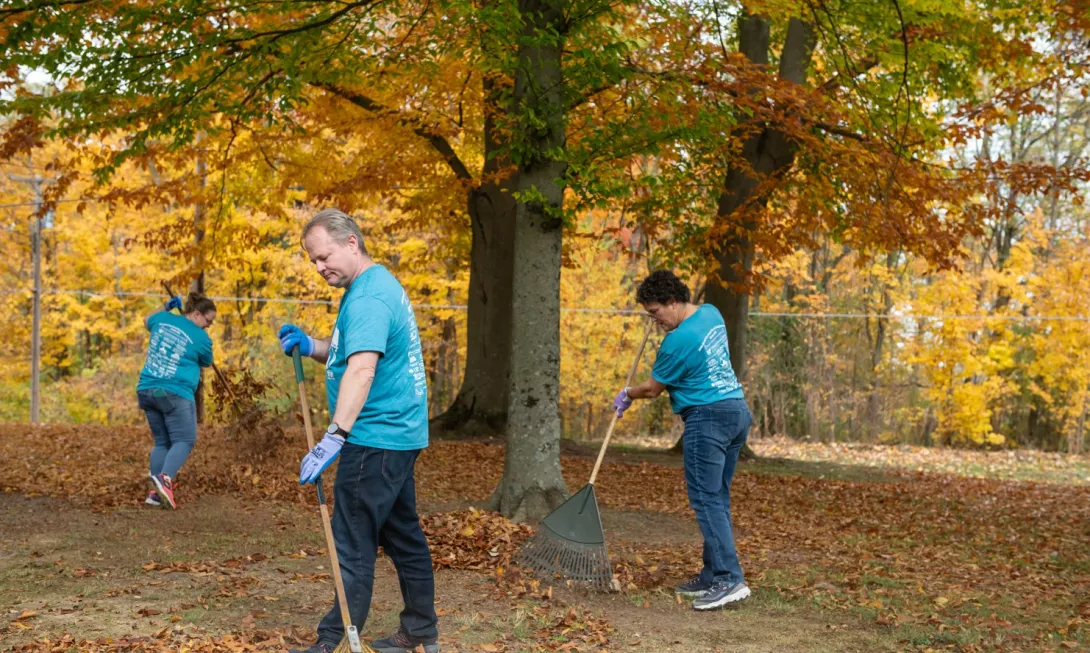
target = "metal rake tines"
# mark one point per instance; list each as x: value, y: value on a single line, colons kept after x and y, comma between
x: 549, y: 556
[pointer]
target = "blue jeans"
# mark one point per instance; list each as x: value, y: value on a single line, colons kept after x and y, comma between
x: 173, y: 422
x: 375, y: 504
x: 714, y: 435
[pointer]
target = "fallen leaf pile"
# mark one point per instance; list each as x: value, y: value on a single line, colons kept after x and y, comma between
x: 262, y: 464
x: 473, y: 539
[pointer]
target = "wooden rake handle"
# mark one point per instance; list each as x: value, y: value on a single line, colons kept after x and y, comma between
x: 613, y: 422
x: 330, y: 543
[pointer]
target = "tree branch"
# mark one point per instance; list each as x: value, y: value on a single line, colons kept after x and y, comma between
x: 437, y: 141
x: 35, y: 6
x: 277, y: 34
x: 857, y: 69
x: 832, y: 129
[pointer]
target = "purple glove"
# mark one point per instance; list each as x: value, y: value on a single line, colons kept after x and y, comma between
x: 321, y: 456
x: 622, y: 403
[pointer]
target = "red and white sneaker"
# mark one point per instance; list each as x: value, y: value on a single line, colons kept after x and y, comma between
x: 165, y: 489
x: 153, y: 499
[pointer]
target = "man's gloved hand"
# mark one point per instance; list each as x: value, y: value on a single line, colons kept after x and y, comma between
x: 174, y: 302
x: 622, y: 403
x: 321, y: 456
x: 291, y: 335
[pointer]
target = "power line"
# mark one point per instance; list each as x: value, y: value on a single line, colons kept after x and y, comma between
x: 24, y: 204
x: 92, y: 200
x: 915, y: 316
x: 581, y: 309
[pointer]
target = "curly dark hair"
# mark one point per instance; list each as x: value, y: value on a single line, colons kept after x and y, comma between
x: 660, y: 287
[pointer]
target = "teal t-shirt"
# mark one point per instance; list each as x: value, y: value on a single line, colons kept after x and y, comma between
x: 375, y: 315
x: 694, y: 362
x: 177, y: 351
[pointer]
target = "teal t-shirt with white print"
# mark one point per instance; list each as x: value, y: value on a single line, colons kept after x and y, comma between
x: 375, y: 315
x: 694, y: 362
x: 177, y: 351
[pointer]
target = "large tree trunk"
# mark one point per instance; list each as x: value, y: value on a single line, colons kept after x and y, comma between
x: 767, y: 152
x: 480, y: 408
x: 481, y: 404
x: 532, y: 485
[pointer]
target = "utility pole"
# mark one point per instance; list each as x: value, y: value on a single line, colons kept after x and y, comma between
x: 199, y: 261
x: 36, y: 254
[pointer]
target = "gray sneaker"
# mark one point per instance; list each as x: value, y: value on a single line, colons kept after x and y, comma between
x: 720, y: 595
x: 401, y: 642
x: 694, y: 589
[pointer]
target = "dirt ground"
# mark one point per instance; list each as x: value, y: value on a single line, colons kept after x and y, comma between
x: 223, y: 566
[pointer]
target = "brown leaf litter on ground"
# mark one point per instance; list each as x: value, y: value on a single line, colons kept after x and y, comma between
x: 935, y: 551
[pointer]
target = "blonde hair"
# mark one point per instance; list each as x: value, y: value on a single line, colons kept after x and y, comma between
x: 338, y: 224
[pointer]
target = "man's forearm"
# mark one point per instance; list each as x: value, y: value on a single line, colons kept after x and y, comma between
x: 321, y: 350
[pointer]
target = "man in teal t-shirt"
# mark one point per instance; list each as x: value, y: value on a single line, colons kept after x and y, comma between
x: 375, y: 315
x: 378, y: 399
x: 693, y: 365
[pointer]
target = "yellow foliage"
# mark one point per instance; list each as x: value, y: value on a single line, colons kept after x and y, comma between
x: 952, y: 356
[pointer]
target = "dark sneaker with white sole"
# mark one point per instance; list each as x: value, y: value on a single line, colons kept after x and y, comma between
x: 320, y: 647
x: 694, y: 589
x: 720, y: 595
x: 401, y: 642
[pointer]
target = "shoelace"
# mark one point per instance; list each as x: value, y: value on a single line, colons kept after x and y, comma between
x: 401, y: 639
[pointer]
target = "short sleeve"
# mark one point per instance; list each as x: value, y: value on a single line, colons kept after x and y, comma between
x: 204, y: 355
x: 669, y: 369
x: 155, y: 318
x: 367, y: 326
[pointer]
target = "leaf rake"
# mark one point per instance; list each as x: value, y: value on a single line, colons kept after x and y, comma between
x: 570, y: 542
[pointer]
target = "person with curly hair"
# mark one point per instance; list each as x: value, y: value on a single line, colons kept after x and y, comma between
x: 693, y: 366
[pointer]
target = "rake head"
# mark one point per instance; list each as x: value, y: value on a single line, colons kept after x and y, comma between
x: 570, y: 543
x: 351, y: 643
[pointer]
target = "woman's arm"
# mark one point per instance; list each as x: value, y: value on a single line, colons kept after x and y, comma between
x: 649, y: 389
x: 174, y: 302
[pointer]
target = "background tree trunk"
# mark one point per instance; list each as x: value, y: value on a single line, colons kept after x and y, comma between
x: 481, y: 404
x: 532, y: 485
x: 766, y: 153
x: 480, y: 408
